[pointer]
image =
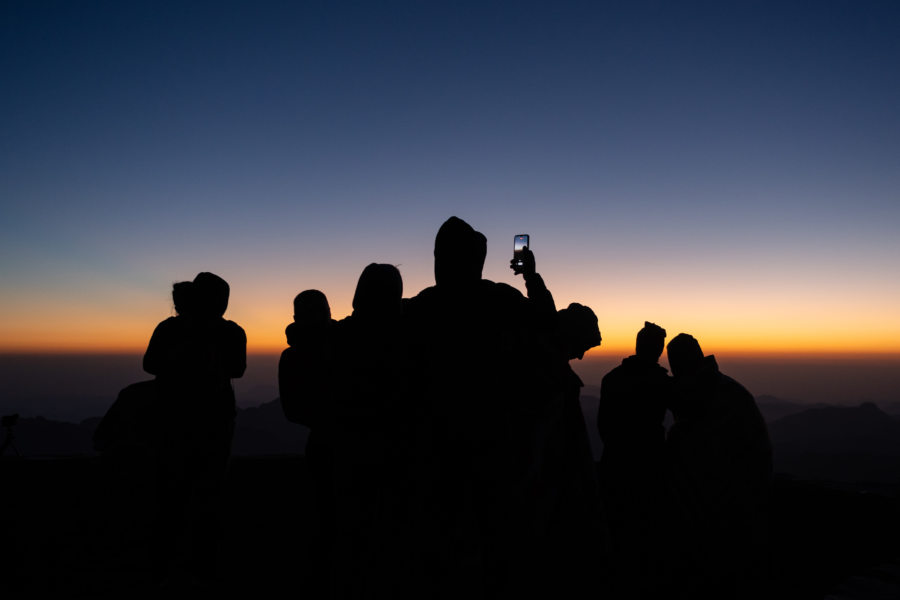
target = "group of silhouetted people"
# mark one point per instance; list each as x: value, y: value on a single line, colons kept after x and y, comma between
x: 184, y: 419
x: 686, y: 508
x: 448, y: 451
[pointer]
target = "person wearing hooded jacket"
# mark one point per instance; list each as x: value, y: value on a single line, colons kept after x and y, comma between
x: 345, y: 380
x: 479, y: 355
x: 720, y: 469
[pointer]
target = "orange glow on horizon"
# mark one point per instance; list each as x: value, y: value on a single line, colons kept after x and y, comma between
x: 733, y: 326
x: 267, y: 342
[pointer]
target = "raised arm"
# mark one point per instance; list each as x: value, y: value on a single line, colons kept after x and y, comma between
x: 538, y: 294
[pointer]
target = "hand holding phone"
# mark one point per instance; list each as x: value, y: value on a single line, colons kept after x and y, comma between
x: 523, y: 260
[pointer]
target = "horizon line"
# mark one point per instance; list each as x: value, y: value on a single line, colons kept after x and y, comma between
x: 602, y: 353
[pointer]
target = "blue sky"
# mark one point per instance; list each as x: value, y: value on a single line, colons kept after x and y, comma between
x: 730, y: 169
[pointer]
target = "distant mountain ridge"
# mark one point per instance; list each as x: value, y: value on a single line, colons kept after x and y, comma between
x: 773, y: 408
x: 837, y: 443
x: 259, y: 430
x: 38, y: 436
x: 263, y: 429
x: 863, y: 429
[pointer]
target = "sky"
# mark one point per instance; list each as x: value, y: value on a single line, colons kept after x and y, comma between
x: 726, y: 169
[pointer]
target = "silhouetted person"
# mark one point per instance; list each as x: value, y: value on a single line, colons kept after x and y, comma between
x: 580, y: 332
x: 344, y: 379
x: 524, y: 264
x: 369, y: 363
x: 306, y: 389
x: 480, y: 356
x: 574, y: 533
x: 194, y: 356
x: 131, y: 427
x: 721, y: 467
x: 633, y: 401
x: 309, y: 339
x: 184, y: 298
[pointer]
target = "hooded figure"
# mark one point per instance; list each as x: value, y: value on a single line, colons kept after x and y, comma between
x: 302, y: 384
x: 573, y: 535
x: 368, y: 411
x: 479, y: 352
x: 720, y: 472
x: 306, y: 386
x: 459, y: 253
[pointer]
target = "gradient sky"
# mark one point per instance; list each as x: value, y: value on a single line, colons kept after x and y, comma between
x: 728, y: 169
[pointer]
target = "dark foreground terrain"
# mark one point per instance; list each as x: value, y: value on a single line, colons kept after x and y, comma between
x: 80, y: 527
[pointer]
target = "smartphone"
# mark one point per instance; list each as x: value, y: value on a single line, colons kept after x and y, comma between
x: 520, y: 242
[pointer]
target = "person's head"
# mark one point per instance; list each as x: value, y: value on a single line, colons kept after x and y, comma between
x: 211, y: 293
x: 459, y: 253
x: 378, y: 292
x: 580, y: 332
x: 183, y: 298
x: 650, y: 341
x: 685, y: 355
x: 311, y: 307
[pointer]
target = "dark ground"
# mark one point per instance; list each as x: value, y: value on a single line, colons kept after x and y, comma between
x: 68, y: 531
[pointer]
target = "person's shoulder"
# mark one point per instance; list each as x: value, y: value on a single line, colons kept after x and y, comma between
x: 170, y: 326
x: 734, y: 385
x: 287, y: 355
x: 345, y: 333
x: 738, y: 396
x: 413, y: 306
x: 501, y: 294
x: 233, y: 328
x: 425, y: 294
x: 497, y: 287
x: 634, y: 366
x: 615, y: 379
x: 233, y: 325
x: 341, y: 327
x: 170, y: 322
x: 614, y: 373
